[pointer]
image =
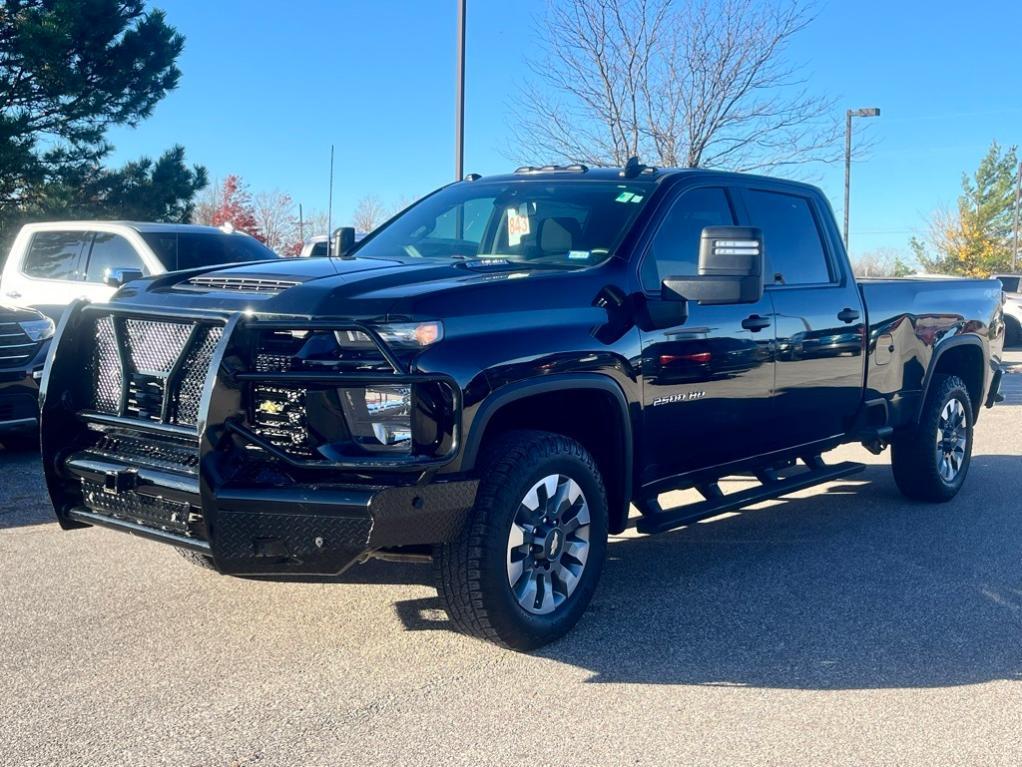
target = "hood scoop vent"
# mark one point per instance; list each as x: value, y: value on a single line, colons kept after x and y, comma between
x: 261, y: 285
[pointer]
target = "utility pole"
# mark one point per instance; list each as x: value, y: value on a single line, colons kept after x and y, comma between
x: 870, y: 112
x: 330, y: 204
x: 459, y: 111
x: 1018, y: 204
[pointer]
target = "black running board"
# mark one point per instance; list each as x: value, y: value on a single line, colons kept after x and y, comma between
x: 717, y: 503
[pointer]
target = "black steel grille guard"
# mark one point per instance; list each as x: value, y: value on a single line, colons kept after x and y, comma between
x: 400, y: 375
x: 220, y: 375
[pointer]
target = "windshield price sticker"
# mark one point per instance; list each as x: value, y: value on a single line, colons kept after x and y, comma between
x: 517, y: 226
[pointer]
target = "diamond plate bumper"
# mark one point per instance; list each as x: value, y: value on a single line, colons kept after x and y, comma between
x: 211, y: 489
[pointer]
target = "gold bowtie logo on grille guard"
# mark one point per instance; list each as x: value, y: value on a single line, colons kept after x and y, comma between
x: 270, y: 407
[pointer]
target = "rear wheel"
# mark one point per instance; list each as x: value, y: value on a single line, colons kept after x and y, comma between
x: 526, y: 565
x: 930, y: 461
x: 1012, y: 332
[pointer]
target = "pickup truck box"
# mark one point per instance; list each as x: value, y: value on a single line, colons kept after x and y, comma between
x: 492, y: 379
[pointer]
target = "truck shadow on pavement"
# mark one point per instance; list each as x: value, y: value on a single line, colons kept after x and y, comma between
x: 852, y: 588
x: 23, y: 498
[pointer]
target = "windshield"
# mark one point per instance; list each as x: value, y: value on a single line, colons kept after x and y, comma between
x: 542, y: 223
x: 193, y: 250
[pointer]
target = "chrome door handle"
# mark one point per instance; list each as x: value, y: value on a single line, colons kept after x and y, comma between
x: 755, y: 323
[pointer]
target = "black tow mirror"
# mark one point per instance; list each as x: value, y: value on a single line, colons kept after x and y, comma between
x: 344, y: 241
x: 730, y: 269
x: 117, y: 276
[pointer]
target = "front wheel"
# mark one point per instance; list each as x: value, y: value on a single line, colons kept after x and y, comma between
x: 930, y: 460
x: 526, y: 564
x: 203, y: 561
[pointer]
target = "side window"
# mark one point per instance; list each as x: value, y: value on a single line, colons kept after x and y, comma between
x: 791, y: 239
x: 54, y: 255
x: 111, y: 251
x: 674, y: 251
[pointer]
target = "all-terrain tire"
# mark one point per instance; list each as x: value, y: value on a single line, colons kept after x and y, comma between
x: 199, y: 560
x: 472, y: 573
x: 1012, y: 332
x: 917, y: 454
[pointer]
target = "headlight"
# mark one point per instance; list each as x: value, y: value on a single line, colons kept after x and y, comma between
x: 38, y: 330
x: 401, y: 335
x: 379, y: 417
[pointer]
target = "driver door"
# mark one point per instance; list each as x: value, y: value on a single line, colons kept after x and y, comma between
x: 707, y: 382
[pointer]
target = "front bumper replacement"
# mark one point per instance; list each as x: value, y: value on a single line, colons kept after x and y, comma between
x: 191, y: 430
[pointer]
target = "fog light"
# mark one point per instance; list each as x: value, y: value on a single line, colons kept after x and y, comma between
x: 379, y: 417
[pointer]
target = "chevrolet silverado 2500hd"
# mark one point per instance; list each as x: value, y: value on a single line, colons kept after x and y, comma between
x: 494, y: 377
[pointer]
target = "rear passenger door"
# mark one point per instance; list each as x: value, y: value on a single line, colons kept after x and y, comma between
x: 50, y: 275
x: 818, y: 311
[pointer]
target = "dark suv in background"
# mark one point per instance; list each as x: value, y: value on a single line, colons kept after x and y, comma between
x: 24, y: 341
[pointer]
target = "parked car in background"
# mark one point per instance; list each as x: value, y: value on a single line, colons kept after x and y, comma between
x: 316, y: 246
x: 1012, y: 308
x: 24, y: 340
x: 52, y: 264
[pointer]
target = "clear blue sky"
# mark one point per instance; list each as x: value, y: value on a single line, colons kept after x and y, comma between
x: 267, y: 87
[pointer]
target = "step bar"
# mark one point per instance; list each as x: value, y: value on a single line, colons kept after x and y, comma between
x: 89, y: 517
x: 657, y: 520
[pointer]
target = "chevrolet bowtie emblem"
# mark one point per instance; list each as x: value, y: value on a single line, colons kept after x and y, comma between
x: 270, y: 407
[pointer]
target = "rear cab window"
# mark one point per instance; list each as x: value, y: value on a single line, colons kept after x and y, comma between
x: 195, y: 250
x: 55, y: 255
x: 792, y: 241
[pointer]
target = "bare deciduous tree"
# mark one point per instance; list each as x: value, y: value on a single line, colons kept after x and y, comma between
x: 315, y: 223
x: 883, y: 262
x: 704, y: 83
x: 277, y: 216
x: 369, y: 213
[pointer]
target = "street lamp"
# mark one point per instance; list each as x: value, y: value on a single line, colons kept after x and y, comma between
x: 870, y: 112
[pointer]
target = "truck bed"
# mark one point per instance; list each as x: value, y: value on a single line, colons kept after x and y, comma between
x: 909, y: 322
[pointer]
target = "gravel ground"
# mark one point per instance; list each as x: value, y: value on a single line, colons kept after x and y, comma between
x: 839, y: 626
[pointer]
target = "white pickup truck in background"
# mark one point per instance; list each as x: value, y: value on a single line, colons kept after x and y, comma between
x: 1012, y: 284
x: 52, y: 264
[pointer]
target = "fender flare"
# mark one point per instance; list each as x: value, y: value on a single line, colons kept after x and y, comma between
x: 939, y: 351
x: 519, y: 390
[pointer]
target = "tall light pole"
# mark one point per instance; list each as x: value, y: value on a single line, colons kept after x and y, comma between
x: 870, y: 112
x: 459, y: 112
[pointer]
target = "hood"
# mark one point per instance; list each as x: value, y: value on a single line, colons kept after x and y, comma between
x: 323, y: 287
x: 18, y: 314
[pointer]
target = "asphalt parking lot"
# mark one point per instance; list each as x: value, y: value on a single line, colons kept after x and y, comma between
x: 842, y: 625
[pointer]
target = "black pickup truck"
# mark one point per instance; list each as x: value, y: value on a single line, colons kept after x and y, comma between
x: 494, y: 377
